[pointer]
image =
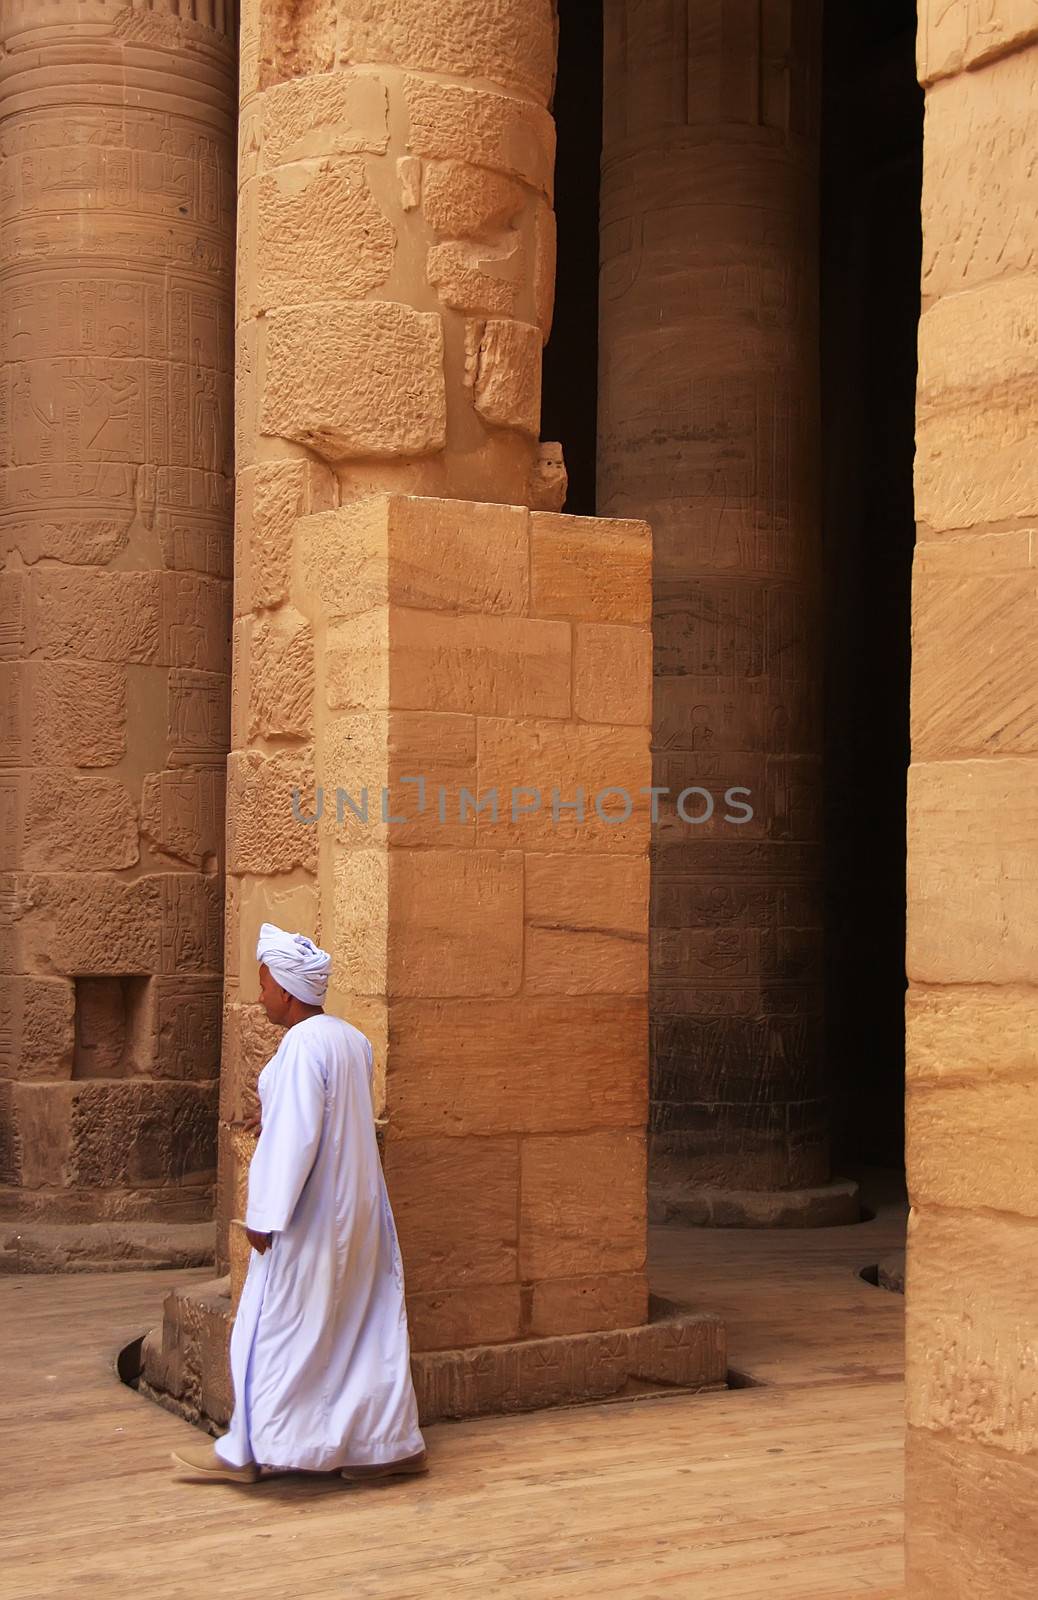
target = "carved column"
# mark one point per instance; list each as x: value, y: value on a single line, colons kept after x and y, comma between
x: 116, y: 135
x: 709, y: 428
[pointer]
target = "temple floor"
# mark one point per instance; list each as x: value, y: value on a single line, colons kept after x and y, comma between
x: 786, y: 1489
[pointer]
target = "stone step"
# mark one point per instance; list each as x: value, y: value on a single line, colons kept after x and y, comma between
x: 105, y: 1246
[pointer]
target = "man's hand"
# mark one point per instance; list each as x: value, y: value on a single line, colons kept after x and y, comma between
x: 258, y: 1241
x: 253, y: 1123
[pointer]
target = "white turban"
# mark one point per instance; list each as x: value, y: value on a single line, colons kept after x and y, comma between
x: 295, y: 962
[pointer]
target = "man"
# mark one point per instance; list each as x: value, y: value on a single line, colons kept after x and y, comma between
x: 320, y: 1357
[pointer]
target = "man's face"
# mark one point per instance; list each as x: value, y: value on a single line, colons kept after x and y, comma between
x: 275, y: 1000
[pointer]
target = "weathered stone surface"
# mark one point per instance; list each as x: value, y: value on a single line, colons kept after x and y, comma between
x: 975, y: 660
x: 29, y: 1247
x: 516, y: 1065
x: 408, y: 659
x: 977, y: 406
x: 977, y: 176
x: 612, y: 674
x: 964, y: 1536
x: 586, y: 924
x: 952, y: 38
x: 78, y: 824
x: 271, y: 496
x: 37, y: 1030
x: 972, y: 832
x: 463, y: 202
x: 703, y: 1205
x: 280, y: 676
x: 95, y: 616
x: 528, y: 758
x: 491, y: 130
x: 582, y: 1204
x: 477, y: 277
x: 422, y: 759
x: 972, y: 1097
x: 432, y: 554
x: 269, y: 798
x: 456, y: 1207
x: 430, y: 922
x: 78, y: 713
x: 320, y: 235
x: 507, y: 388
x: 591, y: 569
x: 449, y: 1318
x: 353, y: 379
x: 182, y: 814
x: 588, y: 1305
x: 512, y: 44
x: 330, y: 114
x: 971, y: 1325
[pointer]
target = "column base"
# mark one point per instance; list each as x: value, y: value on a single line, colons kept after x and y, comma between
x: 184, y: 1363
x: 831, y: 1205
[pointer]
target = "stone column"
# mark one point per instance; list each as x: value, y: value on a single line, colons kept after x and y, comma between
x: 972, y: 1040
x: 406, y: 625
x: 116, y: 135
x: 709, y: 428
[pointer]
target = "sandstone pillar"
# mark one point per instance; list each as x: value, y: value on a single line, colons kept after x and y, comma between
x: 972, y: 1057
x: 709, y: 428
x: 406, y: 623
x: 116, y: 137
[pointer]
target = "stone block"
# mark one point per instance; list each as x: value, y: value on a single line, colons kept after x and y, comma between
x: 971, y: 868
x: 352, y: 379
x: 449, y: 555
x: 612, y: 674
x: 78, y: 713
x: 529, y: 758
x: 953, y: 38
x: 975, y: 654
x: 590, y: 569
x: 92, y: 615
x: 290, y: 904
x: 511, y: 44
x: 140, y: 1134
x: 268, y: 799
x: 271, y: 497
x: 965, y: 1538
x: 414, y: 660
x: 451, y: 1318
x: 249, y: 1041
x: 507, y: 135
x: 182, y: 813
x: 194, y: 631
x: 42, y: 1126
x: 523, y: 1064
x: 681, y: 1350
x: 312, y: 234
x: 977, y: 201
x: 972, y: 1108
x: 583, y: 1204
x: 977, y: 409
x: 477, y: 276
x: 316, y: 118
x: 78, y: 824
x: 588, y: 1305
x: 460, y: 201
x: 364, y: 753
x: 455, y: 1202
x: 280, y: 676
x: 971, y: 1325
x: 586, y: 924
x: 97, y: 924
x: 507, y: 387
x: 185, y: 1028
x: 37, y: 1028
x: 430, y: 922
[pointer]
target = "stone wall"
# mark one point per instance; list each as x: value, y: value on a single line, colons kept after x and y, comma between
x: 973, y: 820
x: 116, y: 140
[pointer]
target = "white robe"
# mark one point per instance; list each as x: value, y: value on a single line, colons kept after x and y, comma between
x: 320, y: 1357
